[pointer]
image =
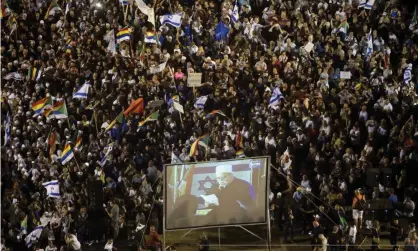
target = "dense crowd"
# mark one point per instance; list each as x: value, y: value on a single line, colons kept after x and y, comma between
x: 328, y: 90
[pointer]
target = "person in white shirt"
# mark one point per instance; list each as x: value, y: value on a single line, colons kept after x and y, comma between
x: 51, y: 247
x: 352, y: 233
x: 72, y: 242
x: 324, y: 243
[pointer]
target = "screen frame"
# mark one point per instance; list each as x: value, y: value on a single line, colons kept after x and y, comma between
x: 267, y: 189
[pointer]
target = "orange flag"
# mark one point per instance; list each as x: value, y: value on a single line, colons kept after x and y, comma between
x: 137, y: 106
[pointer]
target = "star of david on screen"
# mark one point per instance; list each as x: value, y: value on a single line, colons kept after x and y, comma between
x: 216, y: 193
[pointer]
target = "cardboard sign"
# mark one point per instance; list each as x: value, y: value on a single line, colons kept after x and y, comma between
x: 309, y: 47
x: 194, y: 80
x: 345, y: 75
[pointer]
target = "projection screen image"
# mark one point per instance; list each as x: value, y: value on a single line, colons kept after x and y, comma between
x: 216, y: 193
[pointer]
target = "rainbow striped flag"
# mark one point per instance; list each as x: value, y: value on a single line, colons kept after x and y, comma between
x: 118, y: 119
x: 3, y: 9
x: 123, y: 34
x: 59, y: 111
x: 52, y: 8
x: 77, y: 145
x: 240, y: 154
x: 24, y: 224
x: 67, y: 154
x: 202, y: 141
x: 152, y: 117
x: 150, y: 37
x: 214, y: 112
x: 34, y: 73
x: 39, y: 105
x: 239, y: 141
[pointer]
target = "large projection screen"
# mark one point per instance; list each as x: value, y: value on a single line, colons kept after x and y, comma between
x: 221, y: 193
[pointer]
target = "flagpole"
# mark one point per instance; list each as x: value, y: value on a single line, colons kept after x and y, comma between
x: 126, y: 13
x: 95, y: 121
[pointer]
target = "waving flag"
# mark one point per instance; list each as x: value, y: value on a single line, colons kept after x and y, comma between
x: 118, y: 119
x: 175, y: 159
x: 124, y: 2
x: 414, y: 20
x: 3, y: 9
x: 67, y: 154
x: 77, y: 145
x: 172, y: 19
x: 221, y: 31
x: 33, y: 236
x: 13, y: 75
x: 235, y: 14
x: 146, y: 10
x: 34, y: 73
x: 7, y: 132
x: 407, y: 74
x: 202, y: 141
x: 24, y: 224
x: 52, y: 188
x: 369, y: 4
x: 67, y: 7
x: 154, y: 116
x: 158, y: 68
x: 137, y: 106
x: 59, y: 111
x: 214, y: 112
x: 362, y: 4
x: 150, y: 37
x: 39, y: 105
x: 108, y: 149
x: 123, y: 35
x: 83, y: 91
x: 200, y: 102
x: 53, y: 7
x: 52, y: 142
x: 110, y: 38
x: 274, y: 100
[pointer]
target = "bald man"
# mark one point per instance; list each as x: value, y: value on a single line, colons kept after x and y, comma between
x: 236, y: 197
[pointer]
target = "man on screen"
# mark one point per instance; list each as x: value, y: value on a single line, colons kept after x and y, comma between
x: 235, y: 198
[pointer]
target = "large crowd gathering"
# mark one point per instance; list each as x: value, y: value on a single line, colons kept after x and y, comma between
x: 98, y: 91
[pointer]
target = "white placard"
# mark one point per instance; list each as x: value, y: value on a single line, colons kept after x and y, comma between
x: 194, y: 80
x: 345, y: 75
x: 309, y: 47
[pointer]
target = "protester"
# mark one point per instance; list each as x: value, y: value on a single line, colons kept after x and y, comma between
x: 98, y: 91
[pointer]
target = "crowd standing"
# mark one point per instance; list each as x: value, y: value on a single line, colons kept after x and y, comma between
x: 327, y: 89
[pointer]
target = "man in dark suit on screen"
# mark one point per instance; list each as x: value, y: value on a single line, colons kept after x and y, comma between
x: 235, y: 198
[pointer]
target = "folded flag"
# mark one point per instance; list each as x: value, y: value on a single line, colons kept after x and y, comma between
x: 24, y: 224
x: 202, y: 141
x: 67, y: 154
x: 123, y: 35
x: 33, y: 236
x: 137, y: 106
x: 214, y: 112
x: 172, y: 19
x: 275, y: 98
x: 200, y: 102
x: 39, y: 105
x: 118, y: 119
x: 83, y: 91
x: 150, y: 37
x: 152, y: 117
x: 34, y: 73
x: 7, y: 131
x: 52, y: 188
x: 235, y: 14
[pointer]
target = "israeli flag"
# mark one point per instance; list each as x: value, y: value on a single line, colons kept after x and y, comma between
x: 173, y: 19
x: 369, y: 4
x: 407, y: 74
x: 362, y: 4
x: 369, y: 50
x: 83, y: 91
x: 200, y: 102
x: 7, y: 134
x: 33, y: 236
x: 235, y: 14
x: 52, y: 188
x: 275, y: 98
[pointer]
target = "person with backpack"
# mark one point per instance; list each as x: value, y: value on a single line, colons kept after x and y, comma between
x: 359, y: 204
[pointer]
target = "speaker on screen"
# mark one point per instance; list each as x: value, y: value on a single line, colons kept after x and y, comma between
x: 216, y: 193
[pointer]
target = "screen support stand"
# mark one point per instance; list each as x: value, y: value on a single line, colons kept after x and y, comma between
x: 248, y: 231
x: 219, y: 238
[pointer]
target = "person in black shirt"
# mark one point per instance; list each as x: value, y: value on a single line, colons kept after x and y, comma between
x: 307, y: 211
x: 288, y: 225
x: 204, y: 243
x: 334, y: 239
x: 395, y: 231
x: 316, y: 231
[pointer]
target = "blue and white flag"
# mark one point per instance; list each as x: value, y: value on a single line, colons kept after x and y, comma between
x: 33, y: 236
x: 362, y: 4
x: 124, y: 2
x: 173, y: 19
x: 52, y: 188
x: 235, y: 14
x: 200, y: 102
x: 221, y: 31
x: 67, y: 7
x: 275, y: 98
x: 369, y: 49
x: 175, y: 159
x: 105, y: 158
x: 83, y: 91
x: 369, y: 4
x: 7, y: 133
x: 407, y: 74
